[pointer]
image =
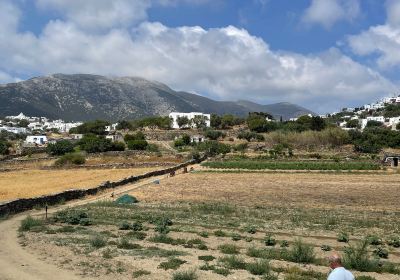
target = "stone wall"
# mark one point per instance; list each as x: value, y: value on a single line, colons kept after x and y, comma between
x: 24, y: 204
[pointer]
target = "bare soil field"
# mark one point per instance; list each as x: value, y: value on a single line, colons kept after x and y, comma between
x: 31, y: 183
x: 228, y: 226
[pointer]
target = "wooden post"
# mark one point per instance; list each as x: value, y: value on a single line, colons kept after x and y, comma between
x: 46, y: 211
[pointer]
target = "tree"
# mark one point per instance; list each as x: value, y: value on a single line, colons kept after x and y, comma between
x: 4, y: 145
x: 95, y: 144
x: 200, y: 121
x: 215, y: 121
x: 137, y: 136
x: 23, y: 123
x: 213, y: 148
x: 183, y: 122
x: 60, y: 148
x: 186, y: 139
x: 213, y: 134
x: 317, y: 123
x: 97, y: 127
x: 374, y: 124
x: 155, y: 122
x: 137, y: 145
x: 352, y: 124
x: 124, y: 125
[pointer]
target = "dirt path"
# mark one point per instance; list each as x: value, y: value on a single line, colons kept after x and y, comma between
x: 18, y: 264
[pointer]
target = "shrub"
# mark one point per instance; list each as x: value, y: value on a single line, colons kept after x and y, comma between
x: 162, y: 225
x: 28, y: 223
x: 4, y: 145
x: 301, y: 252
x: 71, y: 159
x: 137, y: 226
x: 236, y: 237
x: 124, y: 225
x: 326, y: 248
x: 125, y: 244
x: 356, y: 257
x: 394, y: 241
x: 98, y: 241
x: 137, y: 136
x: 206, y: 258
x: 284, y: 244
x: 269, y: 276
x: 152, y: 148
x: 364, y: 277
x: 126, y: 199
x: 184, y: 275
x: 251, y: 229
x: 72, y: 217
x: 179, y: 143
x: 258, y: 267
x: 118, y: 146
x: 374, y: 240
x: 269, y: 241
x: 139, y: 145
x: 233, y: 262
x: 139, y: 273
x: 343, y: 237
x: 60, y: 148
x: 229, y: 249
x: 203, y: 234
x: 219, y: 233
x: 213, y: 134
x: 381, y: 252
x: 85, y: 222
x: 221, y: 271
x: 202, y: 247
x: 173, y: 263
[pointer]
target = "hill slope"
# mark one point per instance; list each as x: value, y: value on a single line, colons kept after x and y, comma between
x: 88, y: 97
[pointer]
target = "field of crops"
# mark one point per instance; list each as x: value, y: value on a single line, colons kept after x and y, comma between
x: 292, y: 165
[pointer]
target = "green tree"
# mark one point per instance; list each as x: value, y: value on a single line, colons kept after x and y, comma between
x: 183, y: 122
x: 352, y: 124
x: 124, y: 125
x: 23, y: 123
x: 374, y: 124
x: 60, y: 148
x: 97, y: 127
x: 215, y: 121
x: 137, y: 136
x: 137, y: 145
x: 317, y: 123
x: 4, y: 145
x: 95, y: 144
x: 200, y: 121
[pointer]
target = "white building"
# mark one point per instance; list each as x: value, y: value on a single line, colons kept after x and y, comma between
x: 111, y: 127
x: 175, y: 115
x: 60, y: 125
x: 36, y: 139
x: 15, y: 130
x: 378, y: 119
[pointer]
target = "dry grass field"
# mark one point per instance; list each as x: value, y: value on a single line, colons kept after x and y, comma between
x: 31, y: 183
x: 220, y: 225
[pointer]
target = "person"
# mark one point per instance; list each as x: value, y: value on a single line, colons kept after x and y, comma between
x: 338, y: 271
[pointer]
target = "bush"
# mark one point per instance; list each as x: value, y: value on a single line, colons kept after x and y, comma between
x: 213, y: 134
x: 96, y: 127
x: 125, y: 244
x: 71, y: 159
x: 96, y: 144
x: 124, y: 226
x: 137, y: 145
x: 98, y: 241
x: 363, y: 277
x: 236, y: 237
x: 233, y: 262
x: 126, y: 199
x: 4, y: 145
x: 60, y: 148
x: 184, y: 275
x: 394, y: 241
x: 356, y: 257
x: 219, y: 233
x: 269, y: 241
x: 251, y: 229
x: 118, y: 146
x: 258, y: 267
x: 137, y: 226
x: 381, y: 252
x: 72, y: 217
x: 28, y: 223
x: 152, y: 148
x: 374, y: 240
x: 229, y: 249
x: 206, y: 258
x: 140, y: 272
x: 213, y: 148
x: 343, y: 237
x: 284, y: 244
x: 301, y: 252
x: 179, y: 143
x: 137, y: 136
x: 326, y: 248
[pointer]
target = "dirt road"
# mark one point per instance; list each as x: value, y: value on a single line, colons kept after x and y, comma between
x: 18, y: 264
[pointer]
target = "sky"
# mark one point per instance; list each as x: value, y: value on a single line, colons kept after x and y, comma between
x: 321, y: 54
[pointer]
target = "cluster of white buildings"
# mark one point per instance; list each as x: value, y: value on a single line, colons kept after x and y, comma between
x: 36, y: 123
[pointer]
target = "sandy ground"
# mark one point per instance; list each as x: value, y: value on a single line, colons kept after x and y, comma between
x: 31, y: 183
x: 310, y: 190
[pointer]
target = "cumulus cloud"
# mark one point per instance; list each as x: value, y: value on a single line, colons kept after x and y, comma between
x: 228, y: 63
x: 383, y: 40
x: 328, y: 12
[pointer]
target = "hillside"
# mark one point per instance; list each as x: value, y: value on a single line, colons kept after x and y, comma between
x: 88, y: 97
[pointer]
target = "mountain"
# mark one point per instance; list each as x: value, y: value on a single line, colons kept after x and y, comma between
x: 87, y: 97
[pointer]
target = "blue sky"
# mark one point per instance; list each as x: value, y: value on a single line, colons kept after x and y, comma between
x: 322, y: 54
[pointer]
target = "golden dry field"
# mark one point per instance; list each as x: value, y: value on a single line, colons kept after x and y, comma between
x: 31, y: 183
x: 306, y: 190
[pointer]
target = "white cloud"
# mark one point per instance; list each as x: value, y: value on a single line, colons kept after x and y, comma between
x: 383, y: 40
x: 228, y: 63
x: 328, y: 12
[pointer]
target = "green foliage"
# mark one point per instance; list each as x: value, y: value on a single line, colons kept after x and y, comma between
x: 179, y: 143
x: 258, y: 268
x: 364, y: 277
x: 23, y: 123
x: 356, y: 257
x: 219, y: 233
x: 138, y: 145
x: 96, y: 127
x: 72, y: 216
x: 326, y: 248
x: 184, y: 275
x: 186, y: 139
x: 199, y: 121
x: 173, y: 263
x: 140, y: 272
x: 230, y: 249
x: 343, y: 237
x: 213, y: 148
x: 251, y: 229
x: 221, y: 271
x: 353, y: 124
x: 381, y: 253
x: 152, y: 148
x: 301, y: 252
x: 249, y: 135
x: 258, y: 123
x: 291, y: 165
x: 96, y: 144
x: 203, y: 234
x: 284, y: 244
x: 137, y: 136
x: 281, y: 150
x: 183, y: 122
x: 98, y: 241
x: 269, y: 241
x: 236, y: 237
x: 394, y: 241
x: 155, y: 122
x: 137, y: 226
x: 60, y: 148
x: 124, y: 125
x: 233, y: 262
x: 71, y: 159
x: 391, y: 111
x: 206, y: 258
x: 124, y: 225
x: 213, y: 134
x: 125, y: 244
x: 374, y: 124
x: 374, y: 240
x: 373, y: 139
x: 4, y: 145
x: 29, y: 223
x: 162, y: 225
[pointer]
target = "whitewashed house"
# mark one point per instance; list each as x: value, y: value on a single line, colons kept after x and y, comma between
x: 175, y: 115
x: 15, y: 130
x: 36, y: 139
x: 115, y: 137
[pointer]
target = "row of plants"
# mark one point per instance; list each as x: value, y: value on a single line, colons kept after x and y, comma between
x: 291, y: 165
